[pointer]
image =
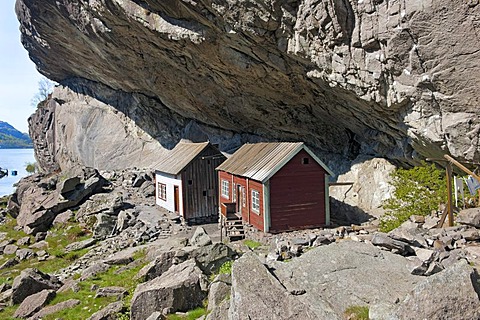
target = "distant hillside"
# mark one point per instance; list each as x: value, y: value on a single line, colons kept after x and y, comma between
x: 12, y: 138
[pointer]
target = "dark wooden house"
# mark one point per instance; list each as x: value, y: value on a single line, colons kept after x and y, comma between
x: 187, y: 183
x: 275, y: 187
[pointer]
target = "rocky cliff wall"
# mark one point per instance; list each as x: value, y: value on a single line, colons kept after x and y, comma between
x: 395, y: 79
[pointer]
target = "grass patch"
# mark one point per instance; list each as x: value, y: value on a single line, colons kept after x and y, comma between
x: 252, y: 244
x: 356, y: 313
x: 89, y: 304
x: 190, y: 315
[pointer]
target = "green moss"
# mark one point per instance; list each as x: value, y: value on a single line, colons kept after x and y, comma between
x: 252, y: 244
x: 190, y: 315
x: 356, y: 313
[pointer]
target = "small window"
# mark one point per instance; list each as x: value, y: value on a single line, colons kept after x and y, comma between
x: 190, y: 182
x: 225, y: 189
x: 255, y: 201
x: 205, y: 193
x: 305, y: 160
x: 162, y: 191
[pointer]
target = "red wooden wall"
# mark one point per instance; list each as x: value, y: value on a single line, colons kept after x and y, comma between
x: 297, y: 195
x: 248, y: 215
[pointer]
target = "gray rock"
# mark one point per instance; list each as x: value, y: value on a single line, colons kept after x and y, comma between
x: 68, y: 185
x: 31, y: 281
x: 471, y: 235
x: 156, y: 267
x: 24, y: 254
x: 39, y: 245
x: 200, y: 238
x: 34, y: 303
x: 456, y: 296
x: 10, y: 249
x: 301, y: 241
x: 40, y: 236
x: 110, y: 312
x: 219, y: 291
x: 346, y: 273
x: 262, y: 296
x: 69, y: 304
x: 470, y: 217
x: 104, y: 225
x: 118, y: 292
x: 69, y: 285
x: 178, y: 289
x: 63, y: 218
x: 4, y: 287
x: 9, y: 263
x: 220, y: 312
x: 211, y: 257
x: 139, y: 180
x: 383, y: 240
x: 80, y: 245
x: 124, y: 256
x: 416, y: 266
x: 93, y: 270
x: 147, y: 189
x: 156, y: 316
x: 25, y: 241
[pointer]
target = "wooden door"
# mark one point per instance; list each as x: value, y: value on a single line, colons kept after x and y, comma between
x: 176, y: 198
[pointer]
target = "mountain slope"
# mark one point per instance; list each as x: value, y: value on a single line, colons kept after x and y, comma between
x: 12, y: 138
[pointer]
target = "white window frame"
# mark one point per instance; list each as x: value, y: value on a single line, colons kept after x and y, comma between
x: 162, y: 191
x: 225, y: 189
x: 255, y: 201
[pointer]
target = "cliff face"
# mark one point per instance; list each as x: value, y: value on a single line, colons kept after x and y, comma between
x: 395, y: 79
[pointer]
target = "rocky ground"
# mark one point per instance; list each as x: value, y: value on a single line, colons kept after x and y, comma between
x: 91, y: 245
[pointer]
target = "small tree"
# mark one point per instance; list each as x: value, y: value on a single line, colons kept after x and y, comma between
x: 45, y: 87
x: 418, y: 191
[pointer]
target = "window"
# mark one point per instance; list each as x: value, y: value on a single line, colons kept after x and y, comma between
x: 256, y: 201
x: 162, y: 191
x: 305, y: 160
x: 225, y: 189
x: 190, y: 182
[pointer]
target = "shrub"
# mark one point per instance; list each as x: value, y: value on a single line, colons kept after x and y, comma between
x: 418, y: 191
x: 30, y: 167
x: 356, y: 313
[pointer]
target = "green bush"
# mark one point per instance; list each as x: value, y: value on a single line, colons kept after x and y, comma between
x: 252, y: 244
x: 418, y: 191
x: 30, y: 167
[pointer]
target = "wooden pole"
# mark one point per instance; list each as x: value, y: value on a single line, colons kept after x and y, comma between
x: 449, y: 194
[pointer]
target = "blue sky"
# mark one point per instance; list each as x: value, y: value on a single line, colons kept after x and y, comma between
x: 18, y: 75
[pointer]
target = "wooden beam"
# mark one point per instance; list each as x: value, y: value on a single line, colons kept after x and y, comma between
x: 462, y: 167
x: 340, y: 183
x: 449, y: 194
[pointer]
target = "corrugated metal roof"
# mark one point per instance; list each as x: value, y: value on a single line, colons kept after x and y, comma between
x: 174, y: 161
x: 260, y: 161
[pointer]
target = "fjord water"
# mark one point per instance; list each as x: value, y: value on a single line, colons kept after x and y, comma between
x: 14, y: 159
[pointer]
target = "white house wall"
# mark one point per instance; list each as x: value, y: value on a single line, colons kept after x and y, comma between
x: 170, y: 181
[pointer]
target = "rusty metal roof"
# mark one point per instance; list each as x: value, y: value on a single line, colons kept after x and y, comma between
x: 260, y: 161
x: 174, y: 161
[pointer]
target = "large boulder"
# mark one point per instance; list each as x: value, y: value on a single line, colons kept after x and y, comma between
x: 31, y: 281
x: 110, y: 312
x: 55, y: 308
x: 181, y: 288
x: 257, y: 294
x: 452, y: 294
x: 156, y: 267
x: 469, y: 217
x: 383, y: 240
x: 347, y: 273
x: 211, y: 257
x: 41, y: 202
x: 34, y: 303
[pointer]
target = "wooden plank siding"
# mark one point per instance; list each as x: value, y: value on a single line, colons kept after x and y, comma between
x: 297, y: 195
x: 248, y: 215
x: 200, y: 185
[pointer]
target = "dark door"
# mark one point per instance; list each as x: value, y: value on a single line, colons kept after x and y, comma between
x: 176, y: 199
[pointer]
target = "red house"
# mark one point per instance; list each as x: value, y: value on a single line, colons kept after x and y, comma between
x: 275, y: 187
